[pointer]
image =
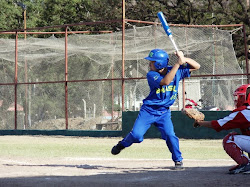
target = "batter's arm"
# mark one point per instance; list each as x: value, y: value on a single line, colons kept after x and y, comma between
x: 193, y: 64
x: 170, y: 76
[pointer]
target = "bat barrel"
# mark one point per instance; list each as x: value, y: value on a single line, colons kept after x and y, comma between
x: 164, y: 23
x: 166, y: 28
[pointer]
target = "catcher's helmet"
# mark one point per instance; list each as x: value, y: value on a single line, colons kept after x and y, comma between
x: 160, y: 57
x: 242, y: 95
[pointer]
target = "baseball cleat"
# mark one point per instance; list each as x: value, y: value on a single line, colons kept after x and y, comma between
x: 117, y: 149
x: 246, y: 172
x: 247, y: 169
x: 179, y: 165
x: 240, y: 169
x: 234, y: 167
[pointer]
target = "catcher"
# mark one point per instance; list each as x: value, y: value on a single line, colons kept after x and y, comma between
x: 235, y: 144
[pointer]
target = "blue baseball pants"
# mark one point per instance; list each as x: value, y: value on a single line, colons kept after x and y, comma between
x: 163, y: 122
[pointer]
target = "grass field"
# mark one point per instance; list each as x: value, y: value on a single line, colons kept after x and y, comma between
x: 62, y: 146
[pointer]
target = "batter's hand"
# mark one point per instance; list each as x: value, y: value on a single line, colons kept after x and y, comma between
x: 181, y: 58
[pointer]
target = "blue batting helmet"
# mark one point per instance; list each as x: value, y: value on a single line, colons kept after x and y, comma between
x: 160, y: 57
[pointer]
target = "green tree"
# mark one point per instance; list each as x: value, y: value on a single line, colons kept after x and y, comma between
x: 10, y: 16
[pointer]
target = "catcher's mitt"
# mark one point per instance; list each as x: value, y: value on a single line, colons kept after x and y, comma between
x: 194, y: 114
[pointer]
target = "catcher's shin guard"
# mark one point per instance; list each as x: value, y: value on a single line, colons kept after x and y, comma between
x: 234, y: 151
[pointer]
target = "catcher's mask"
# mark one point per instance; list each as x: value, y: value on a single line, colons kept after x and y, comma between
x: 160, y: 57
x: 241, y: 95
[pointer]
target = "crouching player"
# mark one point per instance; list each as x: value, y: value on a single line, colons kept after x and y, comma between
x: 236, y: 144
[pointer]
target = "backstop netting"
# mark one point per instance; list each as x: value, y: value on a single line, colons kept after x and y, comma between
x: 95, y: 71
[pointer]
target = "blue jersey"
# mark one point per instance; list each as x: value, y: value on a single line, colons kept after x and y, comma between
x: 162, y: 97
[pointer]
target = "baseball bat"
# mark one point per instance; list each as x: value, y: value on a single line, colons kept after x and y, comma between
x: 166, y: 28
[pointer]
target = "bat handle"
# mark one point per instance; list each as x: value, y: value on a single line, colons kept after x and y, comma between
x: 173, y: 42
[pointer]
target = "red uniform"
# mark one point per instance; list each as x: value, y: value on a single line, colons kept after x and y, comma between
x: 238, y: 119
x: 235, y: 144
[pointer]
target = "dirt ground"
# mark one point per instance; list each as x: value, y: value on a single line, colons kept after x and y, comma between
x: 95, y: 172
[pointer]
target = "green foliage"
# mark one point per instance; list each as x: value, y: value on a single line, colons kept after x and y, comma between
x: 10, y: 17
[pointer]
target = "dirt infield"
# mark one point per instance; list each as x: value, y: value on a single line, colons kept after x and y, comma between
x: 94, y: 172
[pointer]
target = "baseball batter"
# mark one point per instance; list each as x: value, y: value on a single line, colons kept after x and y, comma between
x: 235, y: 144
x: 163, y: 81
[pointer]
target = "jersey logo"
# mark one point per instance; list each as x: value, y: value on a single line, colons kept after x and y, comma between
x: 169, y: 88
x: 156, y: 77
x: 173, y: 97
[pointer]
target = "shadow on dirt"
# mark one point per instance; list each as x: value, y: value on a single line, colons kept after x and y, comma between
x: 141, y: 176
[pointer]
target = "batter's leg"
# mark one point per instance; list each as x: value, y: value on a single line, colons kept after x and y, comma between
x: 141, y: 125
x: 165, y: 125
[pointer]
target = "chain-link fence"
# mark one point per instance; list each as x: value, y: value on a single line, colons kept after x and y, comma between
x: 80, y: 81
